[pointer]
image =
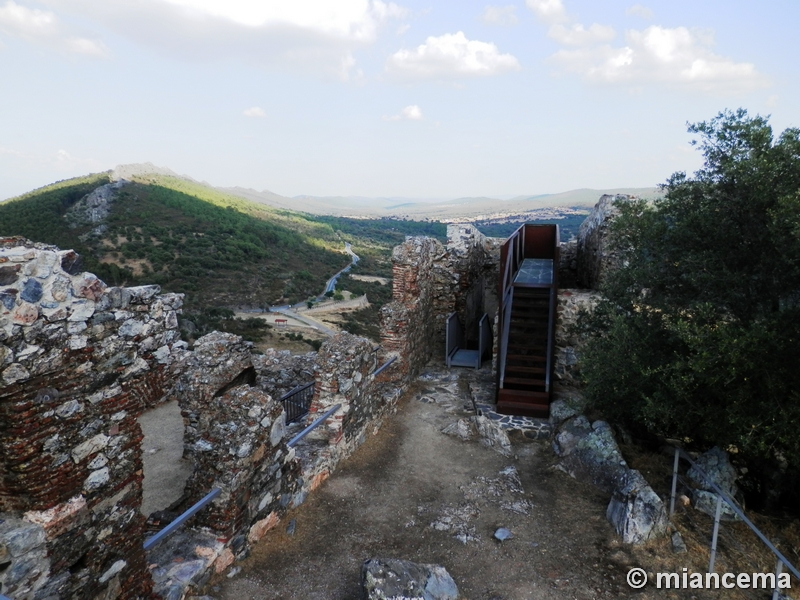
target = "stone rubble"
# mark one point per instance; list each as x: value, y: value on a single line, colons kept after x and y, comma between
x: 393, y: 579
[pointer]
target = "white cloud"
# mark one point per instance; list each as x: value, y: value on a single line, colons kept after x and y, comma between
x: 675, y: 56
x: 578, y: 35
x: 255, y: 112
x: 451, y: 55
x: 345, y: 19
x: 316, y: 35
x: 409, y: 113
x: 637, y: 10
x: 657, y: 55
x: 45, y: 28
x: 549, y: 11
x: 500, y: 15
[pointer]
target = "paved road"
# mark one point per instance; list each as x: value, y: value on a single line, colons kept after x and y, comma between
x: 290, y: 313
x: 331, y: 285
x: 286, y: 309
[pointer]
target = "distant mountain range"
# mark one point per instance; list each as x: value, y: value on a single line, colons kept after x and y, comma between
x: 442, y: 209
x: 438, y: 209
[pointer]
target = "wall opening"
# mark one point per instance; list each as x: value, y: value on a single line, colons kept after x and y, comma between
x: 165, y: 469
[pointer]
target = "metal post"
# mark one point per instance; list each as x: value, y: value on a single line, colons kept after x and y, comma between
x: 674, y: 481
x: 714, y: 535
x: 778, y: 570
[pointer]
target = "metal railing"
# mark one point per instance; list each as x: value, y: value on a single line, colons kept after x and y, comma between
x: 484, y: 337
x: 296, y: 402
x: 384, y: 366
x: 722, y: 496
x: 177, y: 523
x: 317, y: 422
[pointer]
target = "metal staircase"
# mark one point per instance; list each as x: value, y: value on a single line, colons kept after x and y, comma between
x: 529, y: 294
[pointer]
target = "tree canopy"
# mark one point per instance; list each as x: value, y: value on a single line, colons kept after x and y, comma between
x: 698, y: 335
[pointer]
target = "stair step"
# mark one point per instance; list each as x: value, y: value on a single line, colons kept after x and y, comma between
x: 530, y: 357
x: 529, y: 343
x: 524, y: 369
x: 523, y: 381
x: 523, y: 403
x: 530, y: 319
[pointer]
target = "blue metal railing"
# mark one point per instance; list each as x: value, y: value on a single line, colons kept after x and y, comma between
x: 317, y: 422
x: 177, y: 523
x: 384, y: 366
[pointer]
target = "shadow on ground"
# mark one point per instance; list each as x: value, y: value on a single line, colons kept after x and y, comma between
x: 414, y: 493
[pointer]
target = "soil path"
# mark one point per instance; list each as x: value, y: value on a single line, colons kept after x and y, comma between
x: 414, y: 493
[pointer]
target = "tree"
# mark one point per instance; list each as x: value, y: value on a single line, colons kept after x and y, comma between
x: 698, y: 335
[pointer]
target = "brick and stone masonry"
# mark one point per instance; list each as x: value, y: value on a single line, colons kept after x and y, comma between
x: 79, y: 361
x: 431, y: 280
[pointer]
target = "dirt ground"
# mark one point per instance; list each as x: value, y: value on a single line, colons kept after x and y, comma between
x: 414, y: 493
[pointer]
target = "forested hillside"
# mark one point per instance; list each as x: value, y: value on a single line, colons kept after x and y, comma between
x: 219, y: 249
x: 183, y: 236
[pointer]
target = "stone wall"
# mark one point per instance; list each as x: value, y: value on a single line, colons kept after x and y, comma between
x: 234, y: 435
x: 430, y: 281
x: 569, y: 341
x: 594, y: 256
x: 346, y: 366
x: 79, y: 362
x: 279, y: 371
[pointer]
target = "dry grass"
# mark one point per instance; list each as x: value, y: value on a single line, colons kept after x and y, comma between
x: 739, y: 550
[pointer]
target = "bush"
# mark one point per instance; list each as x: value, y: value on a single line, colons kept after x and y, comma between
x: 698, y: 336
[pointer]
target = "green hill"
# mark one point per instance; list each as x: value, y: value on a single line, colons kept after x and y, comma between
x: 221, y: 250
x: 218, y: 249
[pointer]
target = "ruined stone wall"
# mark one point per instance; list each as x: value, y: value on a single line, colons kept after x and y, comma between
x: 466, y: 280
x: 593, y: 254
x: 234, y: 435
x: 346, y: 366
x: 430, y: 281
x: 79, y: 362
x: 279, y: 371
x: 407, y: 323
x: 569, y: 341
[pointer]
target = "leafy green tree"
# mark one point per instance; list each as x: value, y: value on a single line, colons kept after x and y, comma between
x: 699, y: 335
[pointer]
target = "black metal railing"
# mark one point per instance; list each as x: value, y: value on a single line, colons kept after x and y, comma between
x: 297, y: 402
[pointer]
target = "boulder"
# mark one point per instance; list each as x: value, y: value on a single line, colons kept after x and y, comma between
x: 636, y: 512
x: 492, y: 435
x: 590, y: 452
x: 717, y: 468
x: 707, y: 502
x: 393, y: 579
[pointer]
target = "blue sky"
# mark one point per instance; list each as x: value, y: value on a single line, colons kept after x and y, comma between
x: 362, y: 97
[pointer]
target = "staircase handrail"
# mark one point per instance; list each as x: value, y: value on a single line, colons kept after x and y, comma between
x: 551, y: 319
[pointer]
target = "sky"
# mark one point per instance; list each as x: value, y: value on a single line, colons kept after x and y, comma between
x: 382, y: 99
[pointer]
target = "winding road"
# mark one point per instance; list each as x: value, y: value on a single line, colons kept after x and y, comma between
x: 287, y: 309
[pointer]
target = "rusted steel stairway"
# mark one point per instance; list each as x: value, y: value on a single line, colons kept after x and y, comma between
x: 528, y: 292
